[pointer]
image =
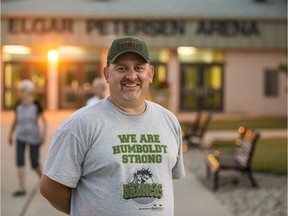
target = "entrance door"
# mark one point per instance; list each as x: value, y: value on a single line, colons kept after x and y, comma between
x: 75, y: 83
x: 201, y: 87
x: 14, y: 72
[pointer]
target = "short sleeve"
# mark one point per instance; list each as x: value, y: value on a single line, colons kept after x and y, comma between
x: 178, y: 170
x: 64, y: 159
x: 39, y: 107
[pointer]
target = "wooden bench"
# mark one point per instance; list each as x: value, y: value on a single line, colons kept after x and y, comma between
x: 239, y: 161
x: 193, y: 136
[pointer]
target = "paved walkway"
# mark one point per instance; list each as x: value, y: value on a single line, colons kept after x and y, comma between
x: 191, y: 197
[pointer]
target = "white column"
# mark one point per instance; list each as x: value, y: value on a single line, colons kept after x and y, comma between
x: 52, y: 80
x: 174, y: 80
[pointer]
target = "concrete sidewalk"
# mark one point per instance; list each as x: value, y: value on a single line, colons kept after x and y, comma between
x: 33, y: 204
x: 191, y: 197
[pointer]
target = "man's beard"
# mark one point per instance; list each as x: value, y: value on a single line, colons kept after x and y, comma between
x: 131, y: 95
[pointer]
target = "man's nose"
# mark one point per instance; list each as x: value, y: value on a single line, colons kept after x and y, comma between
x: 131, y: 74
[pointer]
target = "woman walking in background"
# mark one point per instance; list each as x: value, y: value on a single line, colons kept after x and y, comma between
x: 28, y: 113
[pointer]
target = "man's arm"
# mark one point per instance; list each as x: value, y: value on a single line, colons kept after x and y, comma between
x: 57, y: 194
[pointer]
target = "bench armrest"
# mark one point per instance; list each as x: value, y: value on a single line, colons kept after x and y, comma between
x: 213, y: 162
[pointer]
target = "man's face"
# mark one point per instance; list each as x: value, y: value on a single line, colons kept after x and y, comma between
x: 129, y: 77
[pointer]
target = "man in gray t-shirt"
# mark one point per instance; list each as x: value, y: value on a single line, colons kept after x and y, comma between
x: 119, y: 156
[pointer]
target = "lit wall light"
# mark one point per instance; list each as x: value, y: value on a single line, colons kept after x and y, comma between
x: 16, y: 49
x: 53, y: 55
x: 185, y: 51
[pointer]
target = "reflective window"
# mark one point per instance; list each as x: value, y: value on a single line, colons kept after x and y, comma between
x: 158, y: 90
x: 159, y: 59
x: 271, y: 83
x: 75, y: 83
x: 14, y: 72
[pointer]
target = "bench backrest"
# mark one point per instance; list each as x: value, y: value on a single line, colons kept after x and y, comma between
x: 201, y: 123
x: 244, y: 153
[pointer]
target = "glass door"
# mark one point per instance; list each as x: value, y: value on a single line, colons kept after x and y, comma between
x: 201, y: 87
x: 14, y: 72
x: 75, y: 83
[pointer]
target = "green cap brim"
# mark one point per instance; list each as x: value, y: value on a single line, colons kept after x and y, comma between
x: 127, y: 51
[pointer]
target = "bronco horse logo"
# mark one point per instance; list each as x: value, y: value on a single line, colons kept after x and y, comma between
x: 142, y: 187
x: 142, y: 176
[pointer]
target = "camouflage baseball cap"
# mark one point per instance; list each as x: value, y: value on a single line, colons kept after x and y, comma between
x: 127, y: 44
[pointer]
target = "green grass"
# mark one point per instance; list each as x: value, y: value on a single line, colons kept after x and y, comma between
x: 254, y: 123
x: 270, y: 154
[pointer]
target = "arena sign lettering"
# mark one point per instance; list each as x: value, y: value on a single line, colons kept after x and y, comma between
x: 153, y: 28
x: 227, y: 28
x: 133, y: 27
x: 40, y: 26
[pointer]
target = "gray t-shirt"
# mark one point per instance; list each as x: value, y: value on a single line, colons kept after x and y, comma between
x: 118, y: 163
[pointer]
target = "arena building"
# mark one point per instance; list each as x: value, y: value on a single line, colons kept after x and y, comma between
x: 221, y: 56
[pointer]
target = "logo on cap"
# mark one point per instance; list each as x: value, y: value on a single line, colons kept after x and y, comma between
x: 126, y: 44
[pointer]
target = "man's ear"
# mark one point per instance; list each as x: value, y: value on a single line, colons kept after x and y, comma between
x: 106, y: 74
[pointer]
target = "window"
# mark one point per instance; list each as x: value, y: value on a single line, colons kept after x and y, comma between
x: 159, y: 59
x: 14, y: 72
x: 271, y: 83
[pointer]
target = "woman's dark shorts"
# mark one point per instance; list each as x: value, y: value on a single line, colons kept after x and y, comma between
x: 20, y: 153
